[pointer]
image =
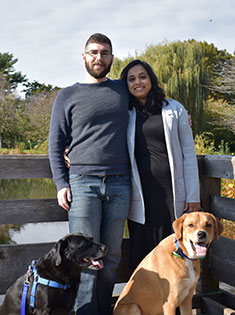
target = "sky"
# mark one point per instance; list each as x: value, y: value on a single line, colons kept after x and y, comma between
x: 48, y: 36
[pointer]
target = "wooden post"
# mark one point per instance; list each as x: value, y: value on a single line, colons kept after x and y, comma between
x: 208, y: 187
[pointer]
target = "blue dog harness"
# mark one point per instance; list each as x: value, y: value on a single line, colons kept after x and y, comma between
x: 37, y: 279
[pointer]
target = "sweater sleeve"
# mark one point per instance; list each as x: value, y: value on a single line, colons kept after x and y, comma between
x: 58, y: 139
x: 190, y: 166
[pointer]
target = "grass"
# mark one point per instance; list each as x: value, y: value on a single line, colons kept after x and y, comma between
x: 18, y: 151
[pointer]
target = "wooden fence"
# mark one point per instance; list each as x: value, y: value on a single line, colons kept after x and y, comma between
x: 218, y: 266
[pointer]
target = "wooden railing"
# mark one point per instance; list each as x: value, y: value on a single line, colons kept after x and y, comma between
x: 219, y: 266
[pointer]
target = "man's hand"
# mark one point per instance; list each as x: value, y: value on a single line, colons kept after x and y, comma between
x: 66, y: 158
x: 192, y: 206
x: 189, y: 119
x: 64, y: 198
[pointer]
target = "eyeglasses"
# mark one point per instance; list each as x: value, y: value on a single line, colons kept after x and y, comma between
x: 94, y: 53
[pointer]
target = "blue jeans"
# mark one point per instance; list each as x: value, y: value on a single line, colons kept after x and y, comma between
x: 99, y: 209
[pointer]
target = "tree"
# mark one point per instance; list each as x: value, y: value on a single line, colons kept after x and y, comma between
x: 5, y: 88
x: 23, y: 120
x: 38, y: 111
x: 223, y: 117
x: 7, y: 62
x: 222, y: 110
x: 4, y: 92
x: 11, y: 119
x: 32, y: 88
x: 223, y: 80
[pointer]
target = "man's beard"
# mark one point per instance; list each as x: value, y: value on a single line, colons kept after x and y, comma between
x: 98, y: 74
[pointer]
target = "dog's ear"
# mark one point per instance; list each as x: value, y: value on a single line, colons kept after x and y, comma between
x: 178, y: 226
x: 218, y: 226
x: 57, y: 255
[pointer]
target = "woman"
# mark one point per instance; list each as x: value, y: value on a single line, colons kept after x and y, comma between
x: 165, y: 157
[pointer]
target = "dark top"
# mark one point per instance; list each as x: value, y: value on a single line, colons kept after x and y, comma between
x: 150, y: 148
x: 92, y: 119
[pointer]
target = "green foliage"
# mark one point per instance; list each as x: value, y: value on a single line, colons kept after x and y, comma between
x: 35, y: 188
x: 42, y: 147
x: 12, y: 120
x: 7, y: 62
x: 32, y: 88
x: 38, y: 110
x: 6, y: 233
x: 118, y: 65
x: 219, y: 119
x: 205, y: 144
x: 20, y: 147
x: 24, y: 121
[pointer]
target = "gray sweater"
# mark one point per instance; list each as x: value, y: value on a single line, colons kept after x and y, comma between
x: 92, y: 120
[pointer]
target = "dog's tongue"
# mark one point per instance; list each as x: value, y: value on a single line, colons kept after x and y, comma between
x: 201, y: 249
x: 98, y: 263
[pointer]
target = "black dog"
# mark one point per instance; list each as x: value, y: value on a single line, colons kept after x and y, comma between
x: 62, y: 264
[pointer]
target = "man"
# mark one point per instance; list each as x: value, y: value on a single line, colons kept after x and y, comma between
x: 91, y: 118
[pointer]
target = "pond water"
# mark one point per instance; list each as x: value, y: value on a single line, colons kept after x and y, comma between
x: 39, y: 233
x: 30, y: 233
x: 17, y: 189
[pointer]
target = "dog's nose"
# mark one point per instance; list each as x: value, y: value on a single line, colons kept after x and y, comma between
x: 201, y: 235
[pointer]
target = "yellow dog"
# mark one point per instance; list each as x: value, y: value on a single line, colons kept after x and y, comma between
x: 167, y: 277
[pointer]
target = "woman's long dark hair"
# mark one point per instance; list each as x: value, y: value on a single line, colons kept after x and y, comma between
x: 156, y: 97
